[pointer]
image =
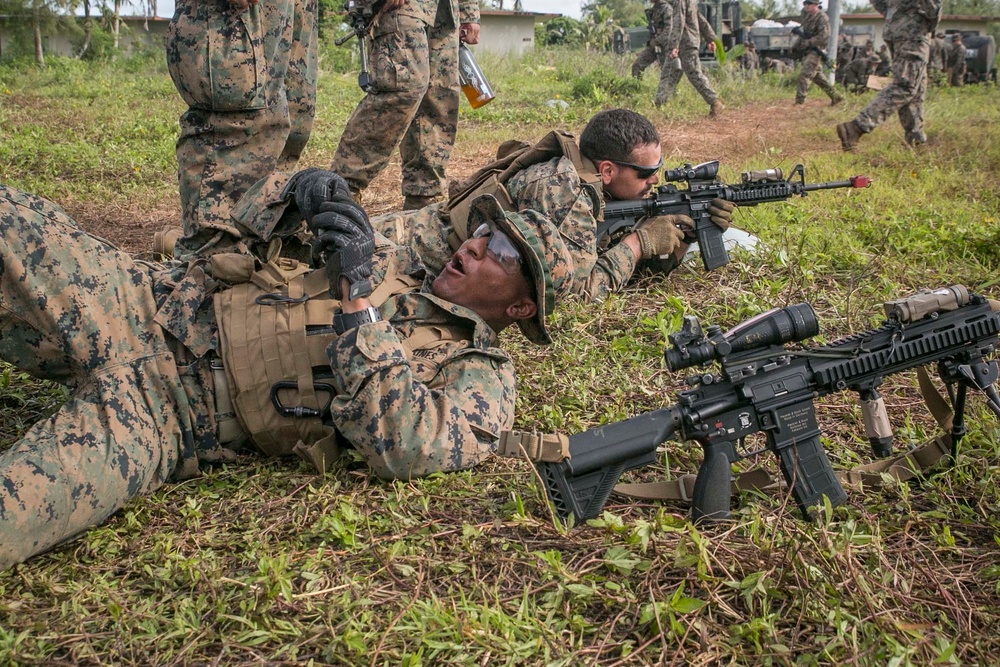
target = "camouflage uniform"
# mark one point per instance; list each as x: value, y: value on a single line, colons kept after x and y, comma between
x: 133, y: 342
x: 750, y: 61
x: 856, y: 73
x: 414, y: 60
x: 685, y: 35
x: 908, y: 24
x: 658, y: 17
x: 845, y: 54
x: 956, y: 63
x: 885, y: 61
x: 249, y: 78
x: 550, y: 189
x: 817, y: 27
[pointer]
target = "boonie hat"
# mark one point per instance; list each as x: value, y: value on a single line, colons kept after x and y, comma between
x: 543, y: 251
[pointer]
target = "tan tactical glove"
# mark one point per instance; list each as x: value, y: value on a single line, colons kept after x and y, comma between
x: 661, y: 235
x: 720, y: 212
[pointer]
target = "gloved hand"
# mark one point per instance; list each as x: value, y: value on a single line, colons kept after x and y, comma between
x: 314, y: 187
x: 720, y: 211
x: 661, y: 235
x: 342, y: 233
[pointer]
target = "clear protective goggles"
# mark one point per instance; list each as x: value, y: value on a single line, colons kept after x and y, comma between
x: 500, y: 248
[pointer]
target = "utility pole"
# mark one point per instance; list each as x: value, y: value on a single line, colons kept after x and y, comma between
x: 834, y: 13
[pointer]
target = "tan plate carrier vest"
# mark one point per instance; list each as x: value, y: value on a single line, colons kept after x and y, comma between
x: 512, y: 158
x: 274, y: 328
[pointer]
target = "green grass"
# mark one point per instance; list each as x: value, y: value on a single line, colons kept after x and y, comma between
x: 263, y: 562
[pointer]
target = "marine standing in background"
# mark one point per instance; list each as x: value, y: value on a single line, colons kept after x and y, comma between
x: 908, y: 26
x: 414, y: 104
x: 812, y: 37
x: 658, y: 21
x: 248, y: 73
x: 750, y: 61
x: 937, y: 61
x: 845, y: 54
x: 956, y: 61
x: 682, y: 42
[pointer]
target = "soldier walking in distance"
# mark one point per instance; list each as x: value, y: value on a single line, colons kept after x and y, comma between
x: 811, y: 38
x: 682, y: 43
x: 658, y: 20
x: 414, y: 104
x: 908, y: 26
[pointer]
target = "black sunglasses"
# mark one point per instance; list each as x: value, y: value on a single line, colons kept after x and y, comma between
x: 641, y: 171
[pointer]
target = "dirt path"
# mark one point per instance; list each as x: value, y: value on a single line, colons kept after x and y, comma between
x: 777, y: 132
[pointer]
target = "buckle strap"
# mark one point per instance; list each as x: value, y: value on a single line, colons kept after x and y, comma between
x: 547, y: 447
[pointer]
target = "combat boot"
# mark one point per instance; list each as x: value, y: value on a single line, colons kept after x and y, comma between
x: 849, y: 133
x: 415, y: 202
x: 836, y: 99
x: 915, y: 138
x: 800, y: 100
x: 716, y: 110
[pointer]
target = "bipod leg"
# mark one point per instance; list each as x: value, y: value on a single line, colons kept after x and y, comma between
x: 958, y: 421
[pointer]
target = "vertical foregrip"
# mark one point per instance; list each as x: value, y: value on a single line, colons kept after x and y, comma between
x: 808, y: 472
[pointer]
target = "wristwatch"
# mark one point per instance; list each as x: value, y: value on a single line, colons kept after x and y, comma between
x: 344, y: 322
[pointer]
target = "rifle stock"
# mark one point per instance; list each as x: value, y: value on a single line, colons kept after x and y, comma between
x: 581, y: 484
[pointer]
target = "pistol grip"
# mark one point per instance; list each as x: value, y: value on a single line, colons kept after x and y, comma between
x: 712, y: 489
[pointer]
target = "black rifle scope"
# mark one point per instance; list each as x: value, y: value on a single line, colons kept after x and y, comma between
x: 775, y: 327
x: 706, y: 171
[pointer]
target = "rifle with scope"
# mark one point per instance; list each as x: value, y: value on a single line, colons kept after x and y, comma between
x: 361, y: 15
x: 703, y: 185
x: 763, y: 387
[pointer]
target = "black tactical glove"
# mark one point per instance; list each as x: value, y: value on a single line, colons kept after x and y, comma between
x: 314, y: 187
x: 342, y: 233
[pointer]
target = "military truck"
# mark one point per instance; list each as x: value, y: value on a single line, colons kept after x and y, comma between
x: 724, y: 17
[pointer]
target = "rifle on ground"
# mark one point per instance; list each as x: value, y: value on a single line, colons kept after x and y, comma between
x: 763, y: 387
x: 361, y: 15
x: 757, y: 187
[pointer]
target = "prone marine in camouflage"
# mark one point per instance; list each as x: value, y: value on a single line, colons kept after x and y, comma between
x: 136, y: 343
x: 908, y: 27
x: 414, y: 70
x: 248, y: 74
x: 682, y: 42
x: 815, y: 33
x: 564, y: 181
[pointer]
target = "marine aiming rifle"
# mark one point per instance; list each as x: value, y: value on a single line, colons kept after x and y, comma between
x: 361, y: 15
x: 762, y: 387
x: 756, y: 187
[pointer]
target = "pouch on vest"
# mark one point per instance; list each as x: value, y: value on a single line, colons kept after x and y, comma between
x: 492, y: 178
x: 274, y: 329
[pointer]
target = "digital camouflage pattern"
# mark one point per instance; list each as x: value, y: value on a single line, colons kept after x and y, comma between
x: 684, y: 35
x: 856, y: 73
x: 957, y: 66
x: 77, y: 311
x: 817, y: 26
x: 552, y: 190
x: 908, y: 25
x: 414, y: 69
x: 658, y: 19
x: 131, y: 340
x: 249, y: 78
